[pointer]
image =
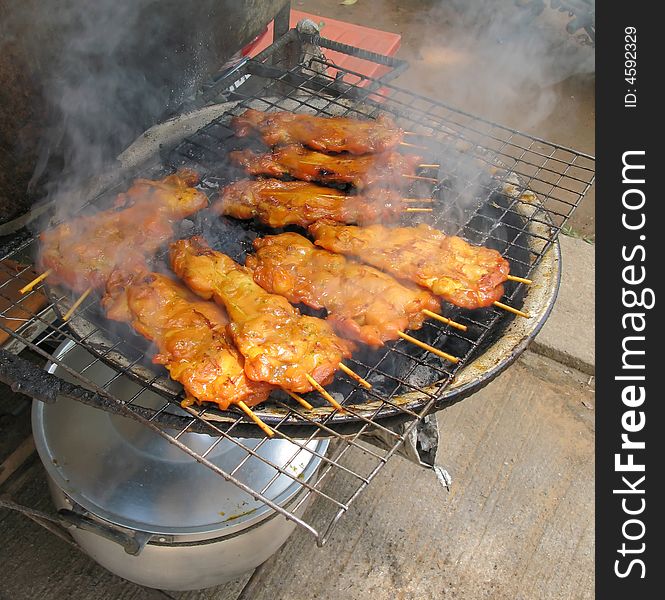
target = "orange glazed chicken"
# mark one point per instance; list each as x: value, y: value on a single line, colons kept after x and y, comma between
x: 461, y: 273
x: 325, y: 134
x: 280, y: 346
x: 279, y: 203
x: 84, y: 251
x: 363, y: 303
x: 382, y: 170
x: 190, y: 335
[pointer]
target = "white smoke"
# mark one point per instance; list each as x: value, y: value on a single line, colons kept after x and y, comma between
x: 496, y: 58
x: 111, y: 69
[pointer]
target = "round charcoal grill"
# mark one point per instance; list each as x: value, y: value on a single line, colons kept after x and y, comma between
x: 405, y: 379
x: 495, y: 187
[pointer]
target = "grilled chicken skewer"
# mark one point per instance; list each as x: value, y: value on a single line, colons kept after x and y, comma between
x: 325, y: 134
x: 461, y: 273
x: 82, y: 253
x: 363, y: 303
x: 280, y: 346
x: 385, y: 170
x: 190, y: 335
x: 279, y: 203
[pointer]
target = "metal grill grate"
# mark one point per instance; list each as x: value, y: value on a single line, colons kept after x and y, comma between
x: 496, y: 186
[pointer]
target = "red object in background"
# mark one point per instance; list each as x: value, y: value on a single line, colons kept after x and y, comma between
x: 374, y: 40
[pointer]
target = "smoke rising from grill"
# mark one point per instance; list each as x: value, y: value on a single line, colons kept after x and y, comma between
x: 113, y: 69
x: 495, y: 58
x: 498, y: 60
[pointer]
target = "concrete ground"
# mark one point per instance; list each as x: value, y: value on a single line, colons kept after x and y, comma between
x: 518, y: 522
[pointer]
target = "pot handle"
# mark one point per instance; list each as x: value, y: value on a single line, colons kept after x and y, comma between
x: 132, y: 544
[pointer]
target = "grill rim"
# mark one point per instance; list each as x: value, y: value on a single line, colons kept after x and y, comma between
x: 442, y: 393
x: 447, y: 394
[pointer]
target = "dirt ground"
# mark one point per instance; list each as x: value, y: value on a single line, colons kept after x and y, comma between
x: 491, y: 59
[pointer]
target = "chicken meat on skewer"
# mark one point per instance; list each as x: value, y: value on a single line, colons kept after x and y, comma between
x: 363, y: 303
x: 278, y: 203
x: 280, y: 346
x: 325, y: 134
x: 82, y: 253
x: 461, y: 273
x: 383, y: 170
x: 190, y: 335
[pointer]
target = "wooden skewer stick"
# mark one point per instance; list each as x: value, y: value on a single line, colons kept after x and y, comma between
x: 416, y: 133
x: 250, y: 413
x: 418, y: 210
x: 510, y: 309
x: 445, y: 320
x: 300, y: 400
x: 333, y: 195
x: 26, y: 288
x: 413, y: 146
x: 319, y: 388
x: 354, y: 375
x: 519, y: 279
x: 76, y: 304
x: 429, y: 166
x: 431, y: 179
x: 424, y: 346
x: 345, y: 196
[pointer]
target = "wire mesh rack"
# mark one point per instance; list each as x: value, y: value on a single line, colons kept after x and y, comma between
x: 494, y: 186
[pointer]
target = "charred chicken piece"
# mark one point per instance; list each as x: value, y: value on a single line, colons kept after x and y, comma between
x: 383, y: 170
x: 280, y: 203
x: 363, y: 303
x: 461, y: 273
x: 190, y: 335
x: 84, y: 251
x: 279, y: 344
x: 325, y: 134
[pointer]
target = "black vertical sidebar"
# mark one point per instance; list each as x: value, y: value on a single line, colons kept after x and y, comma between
x: 630, y: 247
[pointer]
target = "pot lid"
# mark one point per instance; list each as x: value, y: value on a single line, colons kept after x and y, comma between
x: 125, y: 473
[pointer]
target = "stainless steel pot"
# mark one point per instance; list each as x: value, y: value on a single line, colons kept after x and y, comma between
x: 147, y: 512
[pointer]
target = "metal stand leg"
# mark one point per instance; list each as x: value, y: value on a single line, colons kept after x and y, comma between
x: 282, y: 21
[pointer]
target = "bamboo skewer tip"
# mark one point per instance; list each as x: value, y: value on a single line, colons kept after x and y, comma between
x: 418, y: 209
x: 408, y: 145
x: 355, y: 376
x: 28, y: 287
x: 510, y: 309
x: 319, y: 388
x: 424, y: 346
x: 519, y: 279
x: 250, y: 413
x: 76, y: 304
x: 445, y: 320
x: 300, y: 400
x: 420, y: 178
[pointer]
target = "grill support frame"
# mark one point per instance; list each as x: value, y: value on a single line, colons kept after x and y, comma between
x: 29, y: 379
